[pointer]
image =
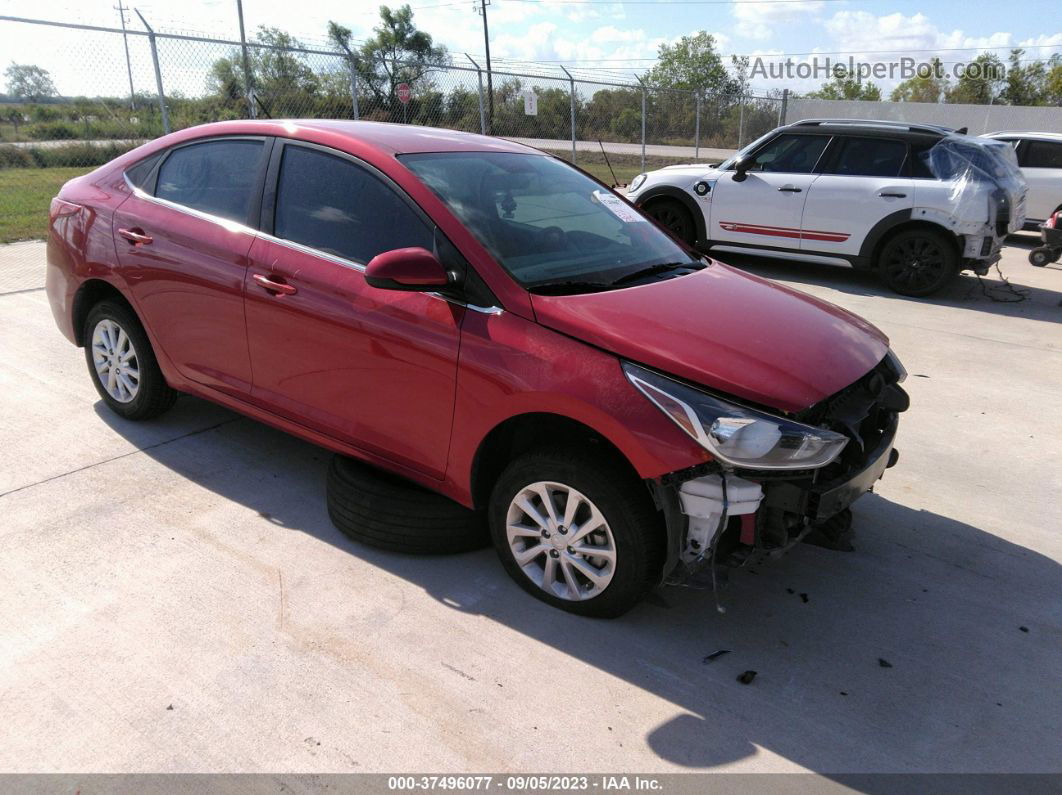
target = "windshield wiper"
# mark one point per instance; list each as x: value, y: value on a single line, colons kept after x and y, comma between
x: 569, y: 287
x: 652, y: 270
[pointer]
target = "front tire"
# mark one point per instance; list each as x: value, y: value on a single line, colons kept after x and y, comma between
x: 673, y: 216
x: 577, y: 531
x: 917, y: 262
x: 122, y: 364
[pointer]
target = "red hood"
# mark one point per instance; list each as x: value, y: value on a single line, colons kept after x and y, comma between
x: 729, y: 331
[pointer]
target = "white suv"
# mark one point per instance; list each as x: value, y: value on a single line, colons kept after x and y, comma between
x: 917, y: 203
x: 1040, y: 160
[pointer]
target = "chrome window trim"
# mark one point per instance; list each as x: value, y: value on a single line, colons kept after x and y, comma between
x: 235, y: 226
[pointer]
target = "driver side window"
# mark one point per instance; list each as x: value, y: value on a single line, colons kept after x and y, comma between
x: 330, y: 204
x: 790, y: 154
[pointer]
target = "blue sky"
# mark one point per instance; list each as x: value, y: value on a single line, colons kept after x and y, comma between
x: 622, y: 38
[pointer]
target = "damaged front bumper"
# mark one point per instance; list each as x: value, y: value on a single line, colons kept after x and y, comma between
x: 730, y: 517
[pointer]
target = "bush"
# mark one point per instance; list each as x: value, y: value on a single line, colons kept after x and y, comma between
x: 68, y: 156
x: 15, y: 157
x: 77, y: 154
x: 52, y: 131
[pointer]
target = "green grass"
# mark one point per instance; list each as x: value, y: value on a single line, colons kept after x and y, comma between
x: 25, y: 194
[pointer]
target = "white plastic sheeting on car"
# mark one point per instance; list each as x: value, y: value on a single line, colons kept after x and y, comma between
x: 976, y: 168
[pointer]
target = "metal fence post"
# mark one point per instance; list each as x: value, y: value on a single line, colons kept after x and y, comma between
x: 741, y: 121
x: 785, y: 107
x: 697, y: 128
x: 571, y: 92
x: 482, y: 110
x: 163, y: 112
x: 354, y: 85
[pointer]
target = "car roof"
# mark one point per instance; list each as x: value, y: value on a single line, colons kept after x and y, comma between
x: 879, y: 129
x: 1043, y: 136
x: 384, y: 137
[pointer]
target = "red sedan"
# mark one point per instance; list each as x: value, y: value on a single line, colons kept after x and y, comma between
x: 488, y: 322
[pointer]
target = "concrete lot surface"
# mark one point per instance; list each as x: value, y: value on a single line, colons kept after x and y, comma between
x: 174, y: 598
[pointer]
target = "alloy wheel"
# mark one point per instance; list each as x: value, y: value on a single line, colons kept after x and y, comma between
x: 672, y: 220
x: 561, y: 541
x: 916, y: 263
x: 115, y: 360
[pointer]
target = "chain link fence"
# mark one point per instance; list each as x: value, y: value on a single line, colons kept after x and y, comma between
x: 103, y: 104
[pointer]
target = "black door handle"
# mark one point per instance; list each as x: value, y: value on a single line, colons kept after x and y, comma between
x: 790, y: 189
x: 893, y: 195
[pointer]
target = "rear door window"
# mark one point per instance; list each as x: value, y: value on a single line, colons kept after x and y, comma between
x: 1041, y: 154
x: 331, y: 204
x: 215, y: 177
x: 870, y: 157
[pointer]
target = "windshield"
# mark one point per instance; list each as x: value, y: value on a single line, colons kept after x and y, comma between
x: 545, y: 222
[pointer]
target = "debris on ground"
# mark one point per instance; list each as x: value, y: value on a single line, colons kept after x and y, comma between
x: 169, y: 708
x: 844, y: 692
x: 1024, y: 629
x: 804, y: 598
x: 789, y: 590
x: 747, y: 677
x: 715, y: 655
x: 884, y: 663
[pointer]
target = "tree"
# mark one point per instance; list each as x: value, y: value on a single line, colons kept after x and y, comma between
x: 397, y: 53
x: 1026, y: 85
x: 280, y: 78
x: 30, y: 83
x: 1053, y: 81
x: 846, y: 86
x: 980, y: 81
x: 930, y: 86
x: 691, y: 64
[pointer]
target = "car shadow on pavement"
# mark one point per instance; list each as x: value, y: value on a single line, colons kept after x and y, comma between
x: 933, y: 647
x: 988, y: 294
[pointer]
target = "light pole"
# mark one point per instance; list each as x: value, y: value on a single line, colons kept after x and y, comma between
x: 121, y: 9
x: 248, y: 80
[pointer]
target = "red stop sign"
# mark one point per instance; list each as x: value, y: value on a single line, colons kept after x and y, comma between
x: 404, y: 93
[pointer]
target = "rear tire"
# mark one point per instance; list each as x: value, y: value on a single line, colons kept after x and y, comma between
x: 673, y: 216
x: 556, y: 563
x: 389, y: 512
x: 122, y: 364
x: 917, y: 262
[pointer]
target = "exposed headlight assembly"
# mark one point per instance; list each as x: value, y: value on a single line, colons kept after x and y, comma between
x: 736, y: 435
x: 637, y: 182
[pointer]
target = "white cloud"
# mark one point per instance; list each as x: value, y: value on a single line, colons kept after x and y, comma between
x: 895, y: 34
x: 758, y: 20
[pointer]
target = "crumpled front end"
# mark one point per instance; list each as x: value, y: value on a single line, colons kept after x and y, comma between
x: 722, y: 515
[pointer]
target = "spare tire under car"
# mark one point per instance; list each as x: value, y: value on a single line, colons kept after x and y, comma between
x: 389, y: 512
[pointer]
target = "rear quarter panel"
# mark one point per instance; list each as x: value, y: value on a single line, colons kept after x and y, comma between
x: 80, y: 245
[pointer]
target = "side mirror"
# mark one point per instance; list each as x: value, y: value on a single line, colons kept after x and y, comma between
x: 741, y: 168
x: 411, y: 269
